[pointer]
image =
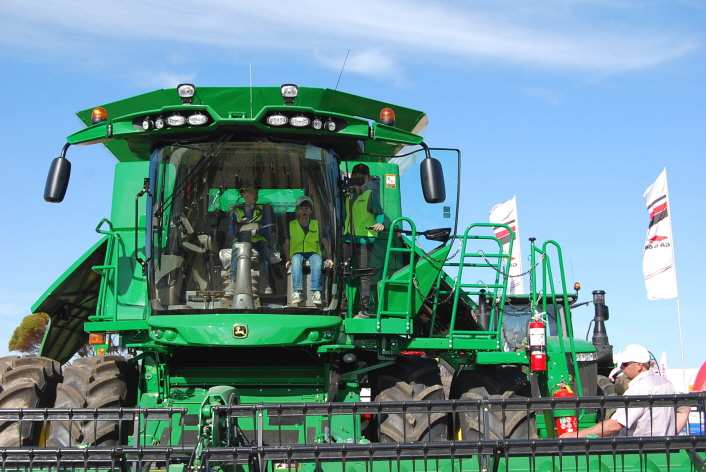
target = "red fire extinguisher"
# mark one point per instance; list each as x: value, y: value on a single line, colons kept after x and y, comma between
x: 537, y: 344
x: 565, y: 421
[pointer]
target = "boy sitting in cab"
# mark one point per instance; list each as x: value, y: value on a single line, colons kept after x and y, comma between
x: 304, y: 243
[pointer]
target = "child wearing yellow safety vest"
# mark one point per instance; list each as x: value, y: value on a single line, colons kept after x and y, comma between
x: 305, y: 244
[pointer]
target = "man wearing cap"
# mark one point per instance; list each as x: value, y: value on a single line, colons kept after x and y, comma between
x: 363, y: 221
x: 305, y: 244
x: 245, y: 214
x: 637, y: 421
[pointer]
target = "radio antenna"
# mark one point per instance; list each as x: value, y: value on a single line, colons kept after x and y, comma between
x: 342, y: 67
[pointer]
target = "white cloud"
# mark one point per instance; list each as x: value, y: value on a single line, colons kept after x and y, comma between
x: 371, y: 63
x: 381, y: 35
x: 164, y: 79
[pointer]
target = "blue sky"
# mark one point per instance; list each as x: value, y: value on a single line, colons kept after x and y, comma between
x: 573, y: 106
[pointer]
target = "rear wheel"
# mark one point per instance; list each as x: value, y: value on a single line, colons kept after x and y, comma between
x: 26, y: 382
x: 92, y: 382
x: 411, y: 379
x: 501, y: 424
x: 494, y: 383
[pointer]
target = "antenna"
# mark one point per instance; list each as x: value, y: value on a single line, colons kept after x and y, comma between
x: 250, y: 65
x: 342, y: 67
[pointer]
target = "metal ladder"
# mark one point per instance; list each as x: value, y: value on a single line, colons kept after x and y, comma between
x: 407, y: 283
x: 499, y: 262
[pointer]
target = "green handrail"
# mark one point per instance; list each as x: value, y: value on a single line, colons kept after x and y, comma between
x: 548, y: 283
x: 383, y: 293
x: 107, y: 270
x: 501, y: 274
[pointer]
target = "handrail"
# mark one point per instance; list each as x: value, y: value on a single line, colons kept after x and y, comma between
x: 384, y: 294
x: 497, y: 310
x: 107, y: 269
x: 549, y: 290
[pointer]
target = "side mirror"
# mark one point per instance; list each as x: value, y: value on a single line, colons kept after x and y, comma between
x: 57, y: 180
x: 432, y: 176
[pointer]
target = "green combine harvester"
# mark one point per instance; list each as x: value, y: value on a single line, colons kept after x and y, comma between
x: 207, y: 343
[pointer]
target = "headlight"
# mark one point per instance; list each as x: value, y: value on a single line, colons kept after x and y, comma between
x: 176, y: 120
x: 159, y: 122
x: 147, y: 124
x: 186, y: 92
x: 289, y: 92
x: 277, y: 120
x: 586, y: 356
x: 299, y: 121
x: 198, y: 119
x: 317, y: 124
x: 330, y: 125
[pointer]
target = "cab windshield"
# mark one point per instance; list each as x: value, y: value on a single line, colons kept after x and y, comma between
x: 221, y: 216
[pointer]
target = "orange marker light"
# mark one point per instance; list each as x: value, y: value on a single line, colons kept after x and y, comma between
x: 96, y: 338
x: 387, y: 116
x: 99, y: 114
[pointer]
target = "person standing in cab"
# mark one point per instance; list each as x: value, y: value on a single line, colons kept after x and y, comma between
x: 245, y: 214
x: 363, y: 221
x: 304, y: 243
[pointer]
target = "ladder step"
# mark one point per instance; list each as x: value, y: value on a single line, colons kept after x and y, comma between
x: 400, y: 249
x: 473, y: 264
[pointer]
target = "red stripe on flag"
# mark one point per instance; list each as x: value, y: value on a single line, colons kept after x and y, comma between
x: 658, y: 209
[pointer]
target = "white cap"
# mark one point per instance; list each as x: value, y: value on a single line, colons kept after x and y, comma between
x: 303, y: 199
x: 635, y: 353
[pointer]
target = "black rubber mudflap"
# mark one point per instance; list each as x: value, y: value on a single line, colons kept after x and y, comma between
x: 26, y: 382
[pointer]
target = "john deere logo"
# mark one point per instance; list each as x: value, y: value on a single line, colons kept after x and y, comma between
x: 240, y: 331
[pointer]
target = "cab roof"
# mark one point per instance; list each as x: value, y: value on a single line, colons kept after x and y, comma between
x: 245, y: 103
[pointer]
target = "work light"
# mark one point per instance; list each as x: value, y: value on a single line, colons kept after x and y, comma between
x: 299, y: 121
x: 176, y: 120
x: 277, y: 120
x: 186, y: 92
x: 289, y: 92
x: 197, y: 119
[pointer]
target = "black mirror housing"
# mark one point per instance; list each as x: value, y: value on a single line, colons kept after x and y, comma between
x: 57, y: 180
x: 432, y: 176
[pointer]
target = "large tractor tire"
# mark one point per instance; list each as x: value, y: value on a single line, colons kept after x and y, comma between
x: 26, y: 382
x: 411, y: 379
x: 501, y: 424
x: 491, y: 383
x: 92, y: 382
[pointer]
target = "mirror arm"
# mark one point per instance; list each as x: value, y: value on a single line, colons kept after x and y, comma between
x: 62, y: 154
x: 140, y: 194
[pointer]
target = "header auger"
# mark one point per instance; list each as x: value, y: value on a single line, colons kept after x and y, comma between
x: 259, y: 299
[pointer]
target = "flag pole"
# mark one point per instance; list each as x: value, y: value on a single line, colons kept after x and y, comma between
x: 674, y: 263
x: 681, y: 335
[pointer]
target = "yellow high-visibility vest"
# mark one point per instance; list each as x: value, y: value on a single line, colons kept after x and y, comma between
x: 362, y: 218
x: 300, y: 242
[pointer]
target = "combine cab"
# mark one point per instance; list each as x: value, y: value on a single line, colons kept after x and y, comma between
x: 203, y: 357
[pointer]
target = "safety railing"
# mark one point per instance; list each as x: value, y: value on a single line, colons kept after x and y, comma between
x: 496, y: 434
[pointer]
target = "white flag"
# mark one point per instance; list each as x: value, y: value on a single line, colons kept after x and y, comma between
x: 658, y: 256
x: 506, y: 212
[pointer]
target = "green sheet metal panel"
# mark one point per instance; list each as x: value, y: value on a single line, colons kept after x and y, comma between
x: 131, y: 299
x: 235, y: 102
x: 69, y: 301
